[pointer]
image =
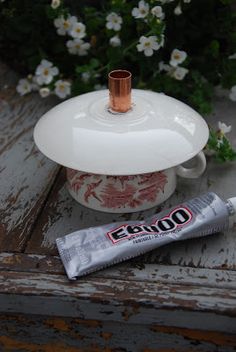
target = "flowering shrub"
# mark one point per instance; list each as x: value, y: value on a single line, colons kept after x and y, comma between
x: 183, y: 48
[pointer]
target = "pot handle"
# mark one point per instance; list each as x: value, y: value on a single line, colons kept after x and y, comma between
x: 194, y: 172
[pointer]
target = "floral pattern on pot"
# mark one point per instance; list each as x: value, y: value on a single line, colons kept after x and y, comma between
x: 113, y: 192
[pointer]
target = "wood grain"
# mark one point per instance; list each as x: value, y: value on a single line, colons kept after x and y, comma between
x: 63, y: 215
x: 26, y: 175
x: 131, y: 271
x: 117, y: 300
x: 49, y: 334
x: 159, y: 302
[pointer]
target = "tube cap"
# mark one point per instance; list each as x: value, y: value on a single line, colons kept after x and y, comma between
x: 232, y: 203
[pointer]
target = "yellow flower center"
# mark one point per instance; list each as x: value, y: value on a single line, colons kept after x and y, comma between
x: 46, y: 72
x: 78, y: 30
x: 147, y: 44
x: 61, y: 87
x: 77, y: 46
x: 142, y: 11
x: 66, y: 24
x: 176, y: 56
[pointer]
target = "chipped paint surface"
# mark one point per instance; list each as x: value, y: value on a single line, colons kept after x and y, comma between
x: 26, y: 174
x: 131, y: 271
x: 63, y: 215
x: 38, y: 334
x: 160, y: 302
x: 126, y: 302
x: 216, y: 338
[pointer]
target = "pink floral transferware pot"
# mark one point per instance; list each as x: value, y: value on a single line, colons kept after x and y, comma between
x: 129, y: 193
x: 122, y: 156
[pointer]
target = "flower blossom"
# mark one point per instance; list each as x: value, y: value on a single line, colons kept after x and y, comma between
x: 33, y: 82
x: 179, y: 73
x: 148, y: 45
x: 232, y: 57
x: 114, y: 21
x: 157, y: 12
x: 78, y: 46
x: 55, y: 4
x: 78, y: 30
x: 232, y: 94
x: 45, y: 72
x: 62, y: 88
x: 85, y: 77
x: 223, y: 128
x: 178, y: 10
x: 115, y: 41
x: 64, y: 25
x: 44, y: 92
x: 162, y: 42
x: 141, y: 11
x: 164, y: 67
x: 177, y: 57
x: 24, y: 86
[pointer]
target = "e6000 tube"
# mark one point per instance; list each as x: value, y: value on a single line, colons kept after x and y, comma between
x: 95, y: 248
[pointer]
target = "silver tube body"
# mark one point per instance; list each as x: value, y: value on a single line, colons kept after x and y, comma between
x: 95, y: 248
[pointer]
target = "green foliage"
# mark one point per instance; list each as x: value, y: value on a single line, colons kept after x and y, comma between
x: 205, y: 30
x: 221, y: 147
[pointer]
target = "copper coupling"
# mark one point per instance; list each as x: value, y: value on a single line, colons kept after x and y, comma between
x: 119, y: 83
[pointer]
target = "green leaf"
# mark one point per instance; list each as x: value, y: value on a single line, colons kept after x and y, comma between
x: 214, y: 48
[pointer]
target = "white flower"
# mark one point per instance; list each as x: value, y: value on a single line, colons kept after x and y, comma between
x: 177, y: 57
x: 45, y: 72
x: 55, y: 4
x: 64, y: 25
x: 224, y: 128
x: 141, y: 11
x: 233, y: 56
x: 232, y: 94
x: 62, y: 88
x: 114, y: 21
x: 78, y: 30
x: 178, y: 10
x: 162, y: 42
x: 179, y: 73
x: 219, y: 143
x: 115, y: 41
x: 44, y: 92
x: 24, y: 86
x: 157, y: 12
x: 85, y: 77
x: 148, y: 44
x: 164, y: 67
x: 34, y: 84
x: 187, y: 1
x: 78, y: 47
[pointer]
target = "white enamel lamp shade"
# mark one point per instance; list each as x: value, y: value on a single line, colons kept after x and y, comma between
x: 157, y: 133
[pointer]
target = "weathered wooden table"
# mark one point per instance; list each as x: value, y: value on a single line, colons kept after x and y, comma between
x: 178, y: 298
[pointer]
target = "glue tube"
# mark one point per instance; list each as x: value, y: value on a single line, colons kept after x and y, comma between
x: 85, y: 251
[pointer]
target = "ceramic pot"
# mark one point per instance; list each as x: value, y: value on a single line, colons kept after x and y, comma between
x: 123, y: 152
x: 130, y: 193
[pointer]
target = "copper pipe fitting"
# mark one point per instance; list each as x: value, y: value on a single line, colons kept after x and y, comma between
x: 119, y: 82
